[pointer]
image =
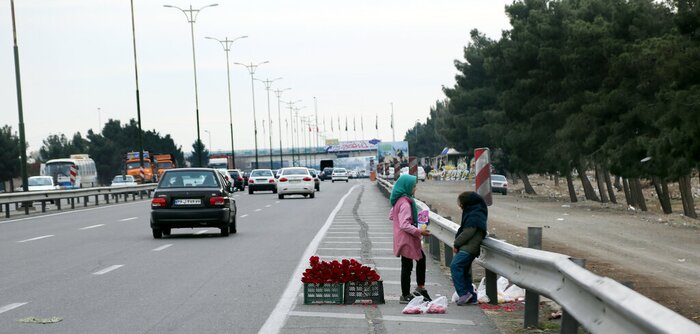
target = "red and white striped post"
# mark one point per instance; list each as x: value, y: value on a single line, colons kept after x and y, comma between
x: 142, y: 174
x: 483, y: 174
x: 73, y: 174
x: 413, y: 166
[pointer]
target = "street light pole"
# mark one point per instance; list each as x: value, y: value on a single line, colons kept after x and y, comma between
x: 138, y: 99
x: 191, y: 15
x: 22, y: 142
x: 226, y: 44
x: 268, y: 84
x: 251, y: 69
x: 279, y: 92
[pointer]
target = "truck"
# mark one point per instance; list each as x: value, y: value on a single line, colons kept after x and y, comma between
x: 164, y: 162
x: 326, y: 170
x: 133, y: 167
x: 220, y: 162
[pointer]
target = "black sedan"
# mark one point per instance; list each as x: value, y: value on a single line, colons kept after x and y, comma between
x: 192, y: 197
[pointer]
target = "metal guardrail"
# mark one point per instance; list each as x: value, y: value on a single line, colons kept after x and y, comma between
x: 599, y: 304
x: 57, y: 195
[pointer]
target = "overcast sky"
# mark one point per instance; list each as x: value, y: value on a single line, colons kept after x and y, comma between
x: 355, y: 57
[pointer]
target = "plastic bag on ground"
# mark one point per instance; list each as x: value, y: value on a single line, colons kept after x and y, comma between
x: 415, y: 306
x: 438, y: 305
x: 481, y: 292
x: 455, y: 296
x: 514, y: 293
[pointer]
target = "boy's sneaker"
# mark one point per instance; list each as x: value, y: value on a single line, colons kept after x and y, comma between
x: 473, y: 300
x: 464, y: 299
x: 422, y: 292
x: 405, y: 299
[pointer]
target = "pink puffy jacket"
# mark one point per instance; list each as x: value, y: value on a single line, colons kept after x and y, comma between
x: 406, y: 236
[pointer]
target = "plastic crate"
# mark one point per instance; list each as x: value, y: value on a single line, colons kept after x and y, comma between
x: 364, y: 292
x: 328, y: 293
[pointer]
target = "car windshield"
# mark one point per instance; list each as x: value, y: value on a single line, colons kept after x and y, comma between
x: 339, y: 170
x: 39, y: 181
x: 256, y: 173
x: 189, y: 179
x: 295, y: 171
x: 165, y: 164
x: 137, y: 164
x: 123, y: 178
x: 498, y: 178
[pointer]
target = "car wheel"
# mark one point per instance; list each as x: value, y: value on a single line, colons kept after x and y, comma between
x: 312, y: 195
x: 250, y: 191
x: 346, y: 181
x: 225, y: 230
x: 280, y: 196
x: 333, y: 181
x: 166, y: 231
x: 157, y: 233
x: 232, y: 227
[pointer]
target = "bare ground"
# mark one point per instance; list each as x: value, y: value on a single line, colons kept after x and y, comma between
x: 658, y: 255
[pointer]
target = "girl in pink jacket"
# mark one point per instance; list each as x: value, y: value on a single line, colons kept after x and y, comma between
x: 407, y: 236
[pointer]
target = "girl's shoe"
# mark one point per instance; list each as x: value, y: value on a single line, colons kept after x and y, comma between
x: 405, y: 299
x: 422, y: 292
x: 464, y: 299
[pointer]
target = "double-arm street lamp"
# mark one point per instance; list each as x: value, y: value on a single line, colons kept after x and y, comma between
x: 290, y: 105
x: 191, y: 15
x: 226, y: 43
x: 268, y: 84
x: 251, y: 69
x: 279, y: 92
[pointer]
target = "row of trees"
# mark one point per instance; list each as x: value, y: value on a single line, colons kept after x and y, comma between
x: 107, y: 148
x: 575, y: 85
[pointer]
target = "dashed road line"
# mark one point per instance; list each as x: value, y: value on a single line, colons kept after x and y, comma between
x: 162, y: 248
x: 108, y: 269
x: 91, y: 226
x: 127, y: 219
x: 269, y: 205
x: 256, y: 210
x: 11, y: 307
x: 37, y: 238
x: 243, y: 216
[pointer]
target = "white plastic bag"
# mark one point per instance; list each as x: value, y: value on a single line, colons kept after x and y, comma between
x: 416, y: 306
x: 455, y: 297
x: 481, y: 292
x: 438, y: 305
x: 514, y: 293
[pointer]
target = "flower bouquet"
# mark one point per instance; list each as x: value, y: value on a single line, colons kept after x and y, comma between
x: 323, y: 280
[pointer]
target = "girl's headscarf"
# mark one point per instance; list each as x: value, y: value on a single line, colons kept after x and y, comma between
x: 404, y: 187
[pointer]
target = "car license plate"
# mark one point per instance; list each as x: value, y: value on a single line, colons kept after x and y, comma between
x: 294, y: 181
x: 260, y: 180
x: 194, y: 201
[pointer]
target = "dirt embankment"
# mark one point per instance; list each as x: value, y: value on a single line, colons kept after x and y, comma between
x: 658, y: 255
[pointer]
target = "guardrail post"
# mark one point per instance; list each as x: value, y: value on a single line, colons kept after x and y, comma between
x: 116, y: 198
x: 43, y: 206
x: 569, y: 325
x: 126, y: 197
x: 133, y: 196
x: 435, y: 247
x: 85, y: 201
x: 97, y: 200
x: 58, y: 204
x: 141, y: 194
x: 448, y: 254
x: 72, y: 202
x: 491, y: 286
x: 532, y: 299
x: 107, y: 198
x: 7, y: 210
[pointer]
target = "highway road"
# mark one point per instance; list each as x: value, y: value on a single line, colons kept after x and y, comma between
x: 100, y: 270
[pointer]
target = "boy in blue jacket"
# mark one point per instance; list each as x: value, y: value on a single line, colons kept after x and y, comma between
x: 467, y: 244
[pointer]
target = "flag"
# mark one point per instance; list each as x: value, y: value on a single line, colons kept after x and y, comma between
x: 354, y: 125
x: 346, y: 123
x: 362, y: 123
x: 376, y: 121
x: 324, y: 123
x: 332, y: 128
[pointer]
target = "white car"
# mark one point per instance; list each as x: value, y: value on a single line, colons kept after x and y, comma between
x: 262, y: 179
x: 499, y: 184
x: 40, y: 183
x: 295, y: 181
x: 123, y: 181
x: 339, y: 174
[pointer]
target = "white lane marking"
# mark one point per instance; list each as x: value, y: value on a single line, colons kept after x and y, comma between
x: 91, y: 226
x: 162, y: 248
x: 201, y: 232
x: 355, y: 242
x: 343, y: 232
x: 37, y: 238
x: 399, y: 283
x: 243, y: 216
x: 277, y: 202
x: 356, y: 257
x: 11, y: 307
x: 269, y: 205
x: 256, y: 210
x: 278, y: 317
x: 108, y: 269
x: 357, y: 249
x: 69, y: 212
x: 127, y: 219
x: 385, y: 318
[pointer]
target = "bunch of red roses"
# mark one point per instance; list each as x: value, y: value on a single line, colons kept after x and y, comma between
x: 338, y: 272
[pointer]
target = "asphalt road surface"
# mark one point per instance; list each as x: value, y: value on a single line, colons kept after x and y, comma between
x: 100, y: 271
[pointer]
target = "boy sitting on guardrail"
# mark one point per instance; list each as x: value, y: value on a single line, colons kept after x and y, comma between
x: 467, y: 244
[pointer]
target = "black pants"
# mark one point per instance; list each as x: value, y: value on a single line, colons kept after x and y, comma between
x: 406, y: 268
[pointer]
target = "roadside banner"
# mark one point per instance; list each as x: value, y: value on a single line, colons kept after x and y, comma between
x: 483, y: 174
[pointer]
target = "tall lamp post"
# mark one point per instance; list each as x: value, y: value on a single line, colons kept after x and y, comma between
x: 279, y: 92
x: 226, y: 43
x: 290, y: 105
x: 251, y: 69
x: 268, y: 84
x: 191, y: 15
x: 138, y: 99
x: 22, y: 143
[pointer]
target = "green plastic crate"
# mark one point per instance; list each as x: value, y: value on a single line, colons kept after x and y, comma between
x: 364, y: 292
x: 328, y: 293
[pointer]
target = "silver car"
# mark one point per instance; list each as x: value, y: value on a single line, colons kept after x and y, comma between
x: 339, y: 174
